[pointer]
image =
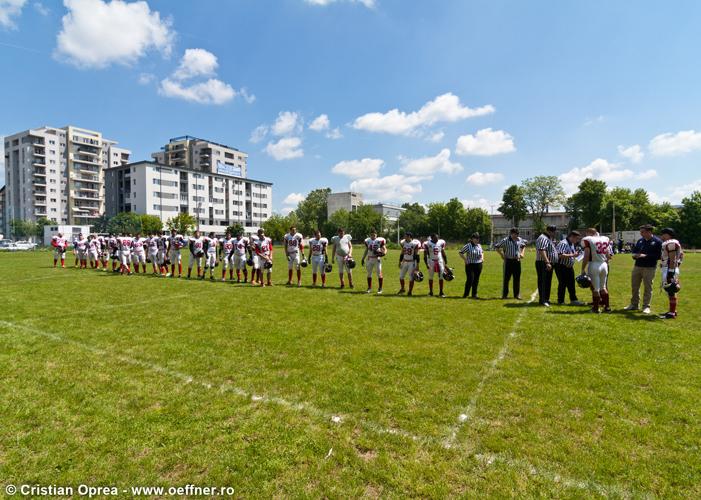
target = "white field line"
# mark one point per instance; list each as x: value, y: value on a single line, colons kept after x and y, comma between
x: 469, y: 412
x: 486, y: 459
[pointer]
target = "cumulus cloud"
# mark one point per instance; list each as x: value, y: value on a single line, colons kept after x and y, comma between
x: 366, y: 168
x: 395, y: 187
x: 320, y: 123
x: 146, y: 78
x: 293, y: 199
x: 430, y: 165
x: 196, y: 62
x: 646, y: 175
x: 445, y: 108
x: 479, y: 202
x: 436, y: 136
x: 484, y: 178
x: 670, y: 144
x: 286, y: 148
x: 370, y: 4
x: 334, y: 134
x: 258, y: 133
x: 287, y: 123
x: 96, y: 34
x: 599, y: 169
x: 9, y: 10
x: 485, y: 142
x: 632, y: 153
x: 41, y: 9
x: 212, y: 91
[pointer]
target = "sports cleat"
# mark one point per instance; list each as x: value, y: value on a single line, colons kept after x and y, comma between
x: 607, y: 309
x: 379, y: 292
x: 668, y: 315
x: 576, y: 303
x: 400, y: 292
x: 442, y: 295
x: 369, y: 290
x: 595, y: 310
x: 646, y: 310
x: 630, y: 307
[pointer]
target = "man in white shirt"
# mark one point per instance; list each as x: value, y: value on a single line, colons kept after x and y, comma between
x: 375, y: 249
x: 343, y: 253
x: 196, y: 244
x: 210, y: 260
x: 317, y: 256
x: 597, y: 253
x: 435, y: 260
x: 408, y: 260
x: 138, y: 254
x: 293, y: 250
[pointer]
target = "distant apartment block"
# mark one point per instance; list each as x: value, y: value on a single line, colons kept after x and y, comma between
x: 349, y: 201
x: 216, y: 200
x: 390, y: 212
x: 58, y: 173
x: 2, y: 210
x: 203, y: 155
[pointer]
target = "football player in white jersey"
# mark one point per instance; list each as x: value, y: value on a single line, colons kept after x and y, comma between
x: 125, y: 242
x: 113, y: 245
x: 294, y: 250
x: 59, y: 243
x: 163, y: 260
x: 152, y: 242
x: 226, y: 247
x: 138, y: 252
x: 435, y: 260
x: 104, y: 252
x: 263, y: 257
x: 175, y: 243
x: 375, y: 249
x: 597, y: 254
x: 75, y: 251
x: 242, y: 246
x: 318, y: 258
x: 81, y: 251
x: 93, y: 251
x: 672, y: 255
x: 211, y: 244
x: 343, y: 253
x: 196, y: 245
x: 408, y: 262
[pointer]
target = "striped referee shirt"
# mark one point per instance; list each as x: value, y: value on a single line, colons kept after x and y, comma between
x: 565, y: 246
x: 545, y: 243
x: 472, y: 253
x: 512, y: 248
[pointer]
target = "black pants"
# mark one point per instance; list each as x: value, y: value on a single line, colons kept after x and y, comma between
x: 565, y: 282
x: 473, y: 272
x: 512, y: 269
x: 545, y: 281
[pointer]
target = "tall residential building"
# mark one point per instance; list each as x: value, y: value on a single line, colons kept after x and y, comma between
x: 58, y: 173
x: 391, y: 212
x: 203, y: 156
x: 2, y: 209
x: 216, y: 200
x: 349, y: 201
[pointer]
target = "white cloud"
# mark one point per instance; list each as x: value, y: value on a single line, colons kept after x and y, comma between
x: 430, y: 165
x: 320, y: 123
x: 286, y: 148
x: 670, y: 144
x: 258, y: 134
x: 146, y: 78
x: 632, y: 153
x: 9, y: 9
x: 484, y: 178
x: 41, y: 9
x: 395, y: 187
x: 599, y: 169
x: 287, y: 123
x: 596, y: 119
x: 444, y: 108
x: 334, y: 134
x: 485, y: 142
x: 480, y: 202
x: 96, y: 34
x: 196, y: 62
x: 681, y: 192
x: 293, y: 199
x: 646, y: 175
x: 436, y: 136
x: 370, y: 4
x: 248, y: 97
x: 357, y: 169
x: 286, y: 210
x: 213, y: 91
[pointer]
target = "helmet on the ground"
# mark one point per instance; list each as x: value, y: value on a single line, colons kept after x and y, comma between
x: 418, y: 276
x: 583, y: 281
x: 328, y: 268
x: 448, y: 274
x: 268, y: 265
x: 672, y: 287
x: 350, y: 263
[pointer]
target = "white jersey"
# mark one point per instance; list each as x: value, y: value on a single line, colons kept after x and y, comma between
x: 240, y: 246
x: 343, y: 244
x: 293, y: 242
x: 125, y: 243
x: 409, y: 248
x: 211, y: 245
x: 176, y: 242
x: 94, y: 245
x: 59, y: 243
x: 263, y: 246
x: 375, y: 246
x: 138, y: 245
x: 81, y: 245
x: 318, y: 246
x: 196, y: 245
x: 153, y: 244
x: 113, y: 243
x: 668, y: 247
x: 435, y: 250
x: 227, y: 246
x: 598, y: 246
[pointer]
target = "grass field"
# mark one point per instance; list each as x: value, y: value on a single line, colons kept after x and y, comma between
x: 111, y: 380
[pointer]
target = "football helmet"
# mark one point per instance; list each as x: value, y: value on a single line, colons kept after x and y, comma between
x: 350, y: 263
x: 249, y: 262
x: 672, y: 287
x: 448, y: 274
x: 303, y: 263
x: 328, y: 268
x: 583, y: 281
x: 418, y: 276
x: 267, y: 265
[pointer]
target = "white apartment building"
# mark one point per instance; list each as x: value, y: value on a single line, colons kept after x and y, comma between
x: 203, y: 155
x: 215, y: 200
x: 349, y: 201
x: 58, y: 173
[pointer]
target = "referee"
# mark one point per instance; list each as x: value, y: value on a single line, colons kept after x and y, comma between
x: 545, y: 256
x: 564, y: 268
x: 511, y: 249
x: 474, y: 258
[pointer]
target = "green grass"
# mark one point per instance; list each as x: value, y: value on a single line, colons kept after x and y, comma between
x: 111, y: 380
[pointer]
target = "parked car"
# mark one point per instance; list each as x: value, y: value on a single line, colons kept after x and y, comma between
x: 25, y: 245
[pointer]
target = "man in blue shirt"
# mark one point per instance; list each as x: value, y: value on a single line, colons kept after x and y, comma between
x: 646, y: 252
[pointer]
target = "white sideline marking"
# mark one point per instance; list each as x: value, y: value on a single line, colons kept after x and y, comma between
x: 469, y: 412
x: 487, y: 459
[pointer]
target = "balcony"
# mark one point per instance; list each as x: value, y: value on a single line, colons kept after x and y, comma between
x: 86, y: 178
x: 88, y: 151
x: 40, y: 213
x: 37, y: 141
x: 39, y: 203
x: 39, y: 182
x: 86, y: 159
x: 39, y: 163
x: 40, y: 152
x: 40, y: 172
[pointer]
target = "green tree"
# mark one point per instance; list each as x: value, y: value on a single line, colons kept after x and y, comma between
x: 585, y: 207
x: 513, y: 204
x: 338, y: 219
x: 622, y: 200
x: 234, y: 229
x: 101, y: 224
x: 414, y: 219
x: 150, y: 224
x: 438, y: 218
x: 363, y: 219
x: 690, y: 220
x: 183, y: 223
x: 276, y: 226
x: 312, y: 211
x: 643, y: 210
x: 477, y: 220
x: 542, y: 193
x: 39, y: 226
x: 21, y: 229
x: 125, y: 222
x: 666, y: 216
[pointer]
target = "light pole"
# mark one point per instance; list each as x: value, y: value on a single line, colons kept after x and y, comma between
x: 491, y: 226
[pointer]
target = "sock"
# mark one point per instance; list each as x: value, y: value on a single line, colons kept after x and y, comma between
x: 411, y: 286
x: 440, y: 285
x: 673, y: 304
x: 299, y: 275
x: 323, y: 279
x: 605, y: 298
x: 430, y: 286
x: 369, y: 283
x: 289, y: 275
x: 313, y: 278
x: 401, y: 284
x: 180, y: 269
x: 596, y: 302
x: 380, y: 280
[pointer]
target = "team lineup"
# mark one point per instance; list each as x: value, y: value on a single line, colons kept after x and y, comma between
x: 164, y: 252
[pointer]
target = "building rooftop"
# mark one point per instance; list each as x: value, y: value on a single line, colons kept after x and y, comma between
x: 193, y: 138
x: 161, y: 165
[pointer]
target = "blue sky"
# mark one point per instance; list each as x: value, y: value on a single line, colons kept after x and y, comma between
x: 419, y: 101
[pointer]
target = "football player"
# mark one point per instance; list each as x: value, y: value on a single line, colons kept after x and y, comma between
x: 672, y: 255
x: 175, y: 243
x: 375, y: 249
x: 343, y: 253
x: 294, y: 249
x: 104, y: 252
x: 113, y: 245
x: 59, y: 243
x: 75, y: 250
x: 434, y: 250
x: 318, y: 258
x: 138, y: 252
x: 242, y: 246
x: 211, y: 243
x: 125, y: 242
x: 408, y: 260
x: 226, y: 249
x: 163, y: 260
x: 597, y: 254
x: 196, y: 244
x: 263, y: 257
x: 153, y: 243
x: 81, y: 251
x: 93, y: 251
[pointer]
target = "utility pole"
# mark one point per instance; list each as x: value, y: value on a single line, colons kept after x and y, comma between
x: 613, y: 223
x: 491, y: 227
